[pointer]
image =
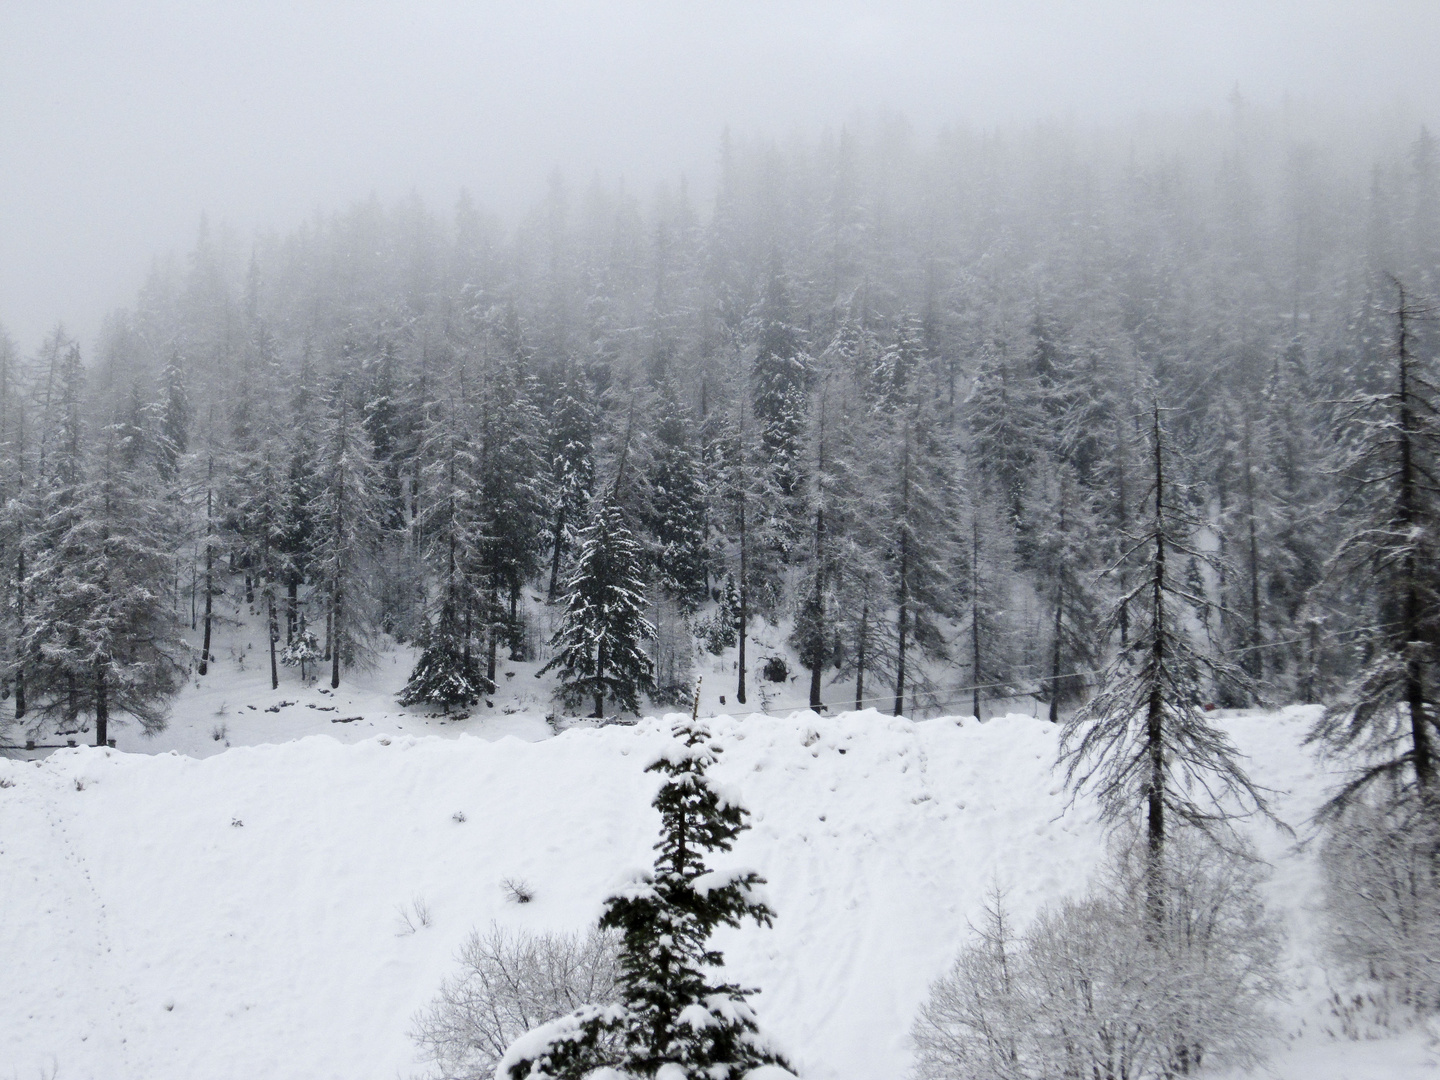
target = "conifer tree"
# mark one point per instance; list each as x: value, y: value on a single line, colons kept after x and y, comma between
x: 98, y: 634
x: 1065, y: 538
x: 572, y: 471
x: 508, y: 432
x: 450, y: 524
x: 598, y: 647
x: 778, y: 379
x: 676, y: 507
x: 1144, y: 740
x: 347, y: 534
x: 671, y: 1020
x: 1388, y: 715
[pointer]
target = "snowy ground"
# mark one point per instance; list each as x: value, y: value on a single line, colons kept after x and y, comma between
x: 177, y: 909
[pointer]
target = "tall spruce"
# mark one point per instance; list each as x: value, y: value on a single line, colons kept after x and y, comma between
x: 451, y: 529
x: 99, y: 635
x: 347, y: 531
x: 599, y: 648
x: 676, y: 507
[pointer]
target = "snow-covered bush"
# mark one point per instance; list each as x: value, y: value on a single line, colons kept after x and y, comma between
x: 1382, y: 899
x: 508, y: 984
x: 305, y: 652
x: 1093, y: 988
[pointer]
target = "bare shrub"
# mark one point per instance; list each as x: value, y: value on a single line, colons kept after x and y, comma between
x: 413, y: 917
x: 517, y: 890
x: 510, y: 982
x: 1382, y: 902
x: 1095, y: 988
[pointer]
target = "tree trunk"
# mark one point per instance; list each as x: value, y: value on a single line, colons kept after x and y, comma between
x: 904, y: 590
x: 1055, y: 653
x: 1422, y: 754
x: 555, y: 558
x: 860, y: 656
x: 975, y: 615
x: 102, y: 709
x: 209, y: 575
x: 1255, y: 656
x: 274, y: 631
x: 1059, y: 628
x: 19, y: 647
x: 818, y: 649
x: 599, y: 682
x: 744, y: 615
x: 493, y: 602
x: 336, y: 611
x: 1155, y: 712
x: 292, y: 608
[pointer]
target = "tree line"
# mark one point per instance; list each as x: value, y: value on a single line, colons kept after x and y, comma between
x: 897, y: 396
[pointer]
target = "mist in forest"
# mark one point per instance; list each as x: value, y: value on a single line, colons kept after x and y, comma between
x: 121, y: 125
x: 874, y: 323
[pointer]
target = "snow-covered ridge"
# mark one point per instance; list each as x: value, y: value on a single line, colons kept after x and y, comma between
x: 240, y: 916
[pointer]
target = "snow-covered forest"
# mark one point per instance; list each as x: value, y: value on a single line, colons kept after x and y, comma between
x: 1117, y: 443
x: 895, y: 394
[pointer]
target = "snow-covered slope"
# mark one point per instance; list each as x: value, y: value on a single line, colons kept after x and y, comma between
x: 240, y: 915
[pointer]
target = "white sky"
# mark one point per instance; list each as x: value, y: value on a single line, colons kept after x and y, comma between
x: 120, y: 122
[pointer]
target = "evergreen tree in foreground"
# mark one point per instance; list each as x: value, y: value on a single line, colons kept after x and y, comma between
x: 671, y: 1021
x: 598, y: 646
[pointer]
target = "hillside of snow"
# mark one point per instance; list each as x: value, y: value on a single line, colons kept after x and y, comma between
x: 235, y: 897
x: 241, y: 915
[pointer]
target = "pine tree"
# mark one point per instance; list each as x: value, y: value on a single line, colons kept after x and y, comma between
x: 347, y: 535
x: 1389, y: 713
x: 920, y: 514
x: 445, y: 674
x: 1143, y: 739
x: 671, y: 1020
x: 508, y: 430
x: 572, y: 471
x: 99, y: 634
x: 451, y: 525
x: 1064, y: 543
x: 983, y: 575
x: 598, y: 647
x: 778, y: 380
x: 676, y: 507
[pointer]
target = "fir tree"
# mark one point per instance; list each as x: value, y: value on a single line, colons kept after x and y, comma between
x: 778, y: 388
x: 1064, y: 542
x: 508, y: 430
x: 451, y: 527
x: 676, y: 507
x: 671, y: 1020
x: 101, y: 638
x: 347, y: 533
x: 1389, y: 713
x: 1144, y: 740
x: 598, y: 647
x: 446, y: 674
x: 572, y: 471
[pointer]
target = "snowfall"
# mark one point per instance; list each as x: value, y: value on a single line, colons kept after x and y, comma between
x: 278, y: 883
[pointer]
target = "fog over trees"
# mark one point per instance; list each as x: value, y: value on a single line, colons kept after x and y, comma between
x: 900, y: 392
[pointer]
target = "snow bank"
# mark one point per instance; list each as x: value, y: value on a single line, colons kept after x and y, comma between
x: 284, y: 910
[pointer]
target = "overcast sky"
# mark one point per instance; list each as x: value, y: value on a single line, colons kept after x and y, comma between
x: 121, y: 122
